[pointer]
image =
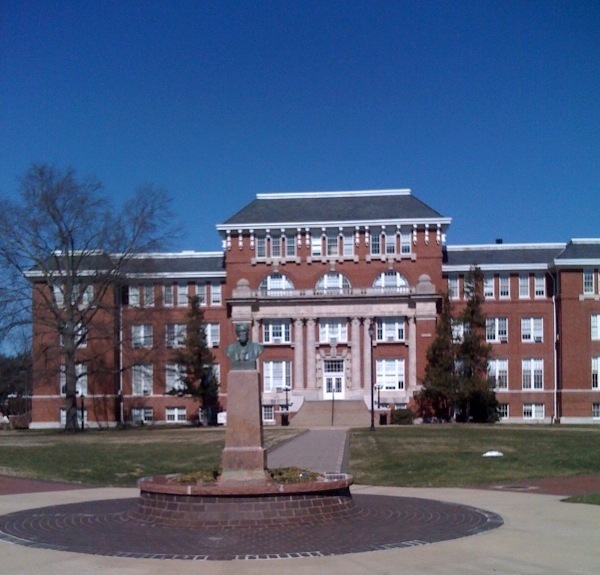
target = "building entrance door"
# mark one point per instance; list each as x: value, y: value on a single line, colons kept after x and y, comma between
x: 333, y: 379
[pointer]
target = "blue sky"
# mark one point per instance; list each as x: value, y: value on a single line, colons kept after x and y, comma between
x: 488, y: 111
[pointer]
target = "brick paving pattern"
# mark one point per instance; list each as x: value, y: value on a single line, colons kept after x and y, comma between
x: 111, y: 528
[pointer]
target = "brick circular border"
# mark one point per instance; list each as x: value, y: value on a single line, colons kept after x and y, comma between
x: 110, y: 528
x: 236, y: 504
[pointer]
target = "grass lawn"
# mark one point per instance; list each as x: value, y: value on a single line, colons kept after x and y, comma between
x: 451, y: 455
x: 434, y: 455
x: 115, y: 457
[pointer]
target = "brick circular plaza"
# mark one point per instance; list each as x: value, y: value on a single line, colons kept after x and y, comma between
x: 113, y: 528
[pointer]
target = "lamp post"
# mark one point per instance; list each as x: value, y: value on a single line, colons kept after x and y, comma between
x: 372, y: 336
x: 82, y: 411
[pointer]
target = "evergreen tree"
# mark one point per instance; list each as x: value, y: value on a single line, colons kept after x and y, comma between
x: 476, y: 398
x: 200, y: 380
x: 439, y: 394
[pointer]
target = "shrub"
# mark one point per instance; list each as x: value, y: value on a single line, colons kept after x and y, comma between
x: 402, y: 416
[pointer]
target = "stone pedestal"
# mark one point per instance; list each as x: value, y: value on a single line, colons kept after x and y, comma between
x: 244, y: 457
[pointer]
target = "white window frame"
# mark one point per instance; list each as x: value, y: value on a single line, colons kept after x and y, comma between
x: 268, y: 413
x: 276, y: 247
x: 316, y: 246
x: 134, y: 296
x: 390, y: 374
x: 275, y: 283
x: 201, y: 293
x: 596, y: 372
x: 142, y: 335
x: 276, y: 331
x: 142, y: 415
x: 175, y: 373
x: 333, y: 283
x: 498, y: 371
x: 213, y: 334
x: 176, y: 414
x: 539, y: 286
x: 459, y: 330
x: 524, y: 288
x: 390, y: 329
x: 405, y: 243
x: 532, y: 329
x: 503, y: 410
x: 348, y: 245
x: 533, y: 411
x: 391, y: 280
x: 504, y: 286
x: 376, y: 244
x: 488, y: 287
x: 148, y: 291
x: 496, y: 329
x: 261, y: 247
x: 59, y: 295
x: 277, y: 375
x: 453, y: 287
x: 216, y: 294
x: 596, y: 410
x: 182, y: 295
x: 532, y: 374
x: 390, y: 243
x: 290, y: 247
x: 333, y: 330
x: 141, y: 379
x: 175, y: 335
x: 82, y: 299
x: 168, y: 299
x: 589, y: 278
x: 332, y: 243
x: 595, y: 327
x: 81, y: 385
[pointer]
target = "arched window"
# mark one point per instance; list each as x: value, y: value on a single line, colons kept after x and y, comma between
x: 275, y: 283
x: 333, y: 283
x: 391, y: 281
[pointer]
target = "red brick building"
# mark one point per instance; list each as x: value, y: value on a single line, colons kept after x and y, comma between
x: 342, y: 289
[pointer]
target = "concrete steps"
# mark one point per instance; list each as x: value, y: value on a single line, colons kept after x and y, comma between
x: 319, y: 414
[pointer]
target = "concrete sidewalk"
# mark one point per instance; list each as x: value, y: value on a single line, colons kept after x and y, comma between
x: 321, y: 450
x: 540, y: 535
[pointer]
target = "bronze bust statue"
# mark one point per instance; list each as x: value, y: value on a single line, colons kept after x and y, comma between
x: 243, y: 353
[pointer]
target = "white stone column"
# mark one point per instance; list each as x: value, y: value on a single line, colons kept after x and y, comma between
x: 256, y: 324
x: 367, y: 370
x: 311, y: 360
x: 411, y: 325
x: 356, y: 353
x: 298, y: 382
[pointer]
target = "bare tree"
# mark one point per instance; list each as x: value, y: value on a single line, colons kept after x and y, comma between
x: 62, y: 239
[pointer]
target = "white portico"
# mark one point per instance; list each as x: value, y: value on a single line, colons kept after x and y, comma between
x: 321, y: 343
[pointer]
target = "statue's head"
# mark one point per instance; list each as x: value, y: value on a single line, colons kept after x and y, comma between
x: 242, y: 330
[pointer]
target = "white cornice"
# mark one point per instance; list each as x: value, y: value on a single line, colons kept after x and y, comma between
x: 176, y: 275
x: 357, y: 193
x: 496, y: 267
x: 584, y: 262
x: 175, y: 255
x: 334, y: 224
x: 499, y: 247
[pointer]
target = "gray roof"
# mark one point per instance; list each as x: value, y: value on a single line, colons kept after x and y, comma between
x: 180, y: 265
x: 332, y: 207
x: 502, y: 256
x: 580, y: 251
x: 175, y: 265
